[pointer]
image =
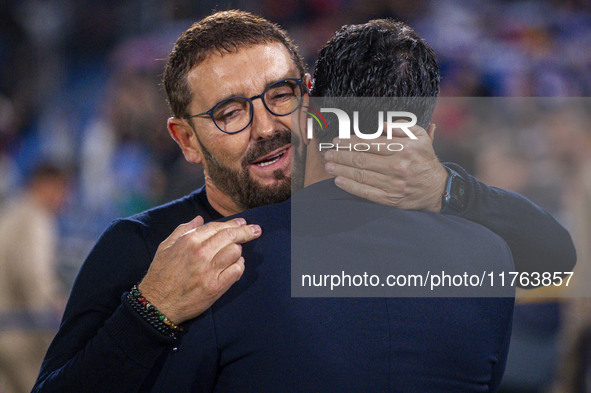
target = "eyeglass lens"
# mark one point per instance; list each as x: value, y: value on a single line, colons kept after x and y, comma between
x: 234, y: 114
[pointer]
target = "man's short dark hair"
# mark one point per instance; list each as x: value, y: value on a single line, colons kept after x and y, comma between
x: 222, y: 32
x: 381, y: 58
x: 51, y: 170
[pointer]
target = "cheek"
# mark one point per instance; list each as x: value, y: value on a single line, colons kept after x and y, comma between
x: 286, y: 120
x: 231, y: 149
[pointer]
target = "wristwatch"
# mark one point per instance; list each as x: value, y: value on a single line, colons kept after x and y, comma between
x: 454, y: 197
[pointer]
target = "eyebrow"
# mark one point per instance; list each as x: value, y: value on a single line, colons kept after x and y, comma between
x: 243, y: 95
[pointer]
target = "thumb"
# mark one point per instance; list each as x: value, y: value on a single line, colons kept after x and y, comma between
x: 431, y: 131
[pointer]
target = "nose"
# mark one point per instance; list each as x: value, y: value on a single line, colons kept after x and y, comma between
x: 263, y: 122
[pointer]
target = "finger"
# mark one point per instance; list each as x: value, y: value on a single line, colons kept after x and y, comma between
x: 365, y: 176
x: 363, y: 191
x: 225, y: 237
x: 370, y: 162
x: 226, y: 256
x: 211, y: 228
x: 398, y: 135
x: 183, y: 229
x: 381, y: 146
x: 431, y: 131
x: 231, y: 274
x: 239, y: 235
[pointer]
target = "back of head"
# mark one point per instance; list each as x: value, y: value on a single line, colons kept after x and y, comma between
x: 48, y: 170
x: 49, y: 183
x: 381, y: 58
x: 222, y: 32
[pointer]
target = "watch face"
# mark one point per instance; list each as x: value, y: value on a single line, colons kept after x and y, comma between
x: 458, y: 193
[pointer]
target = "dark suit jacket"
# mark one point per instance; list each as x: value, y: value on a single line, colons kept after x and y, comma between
x: 257, y: 338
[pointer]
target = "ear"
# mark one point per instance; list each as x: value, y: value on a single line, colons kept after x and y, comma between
x: 303, y: 117
x: 184, y: 136
x: 308, y: 81
x: 431, y: 131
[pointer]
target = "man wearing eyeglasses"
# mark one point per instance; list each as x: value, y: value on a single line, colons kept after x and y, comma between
x: 229, y: 80
x: 259, y: 175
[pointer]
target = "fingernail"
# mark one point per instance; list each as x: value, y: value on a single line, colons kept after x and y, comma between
x: 240, y: 221
x: 330, y: 167
x: 328, y: 155
x: 255, y: 229
x: 338, y: 181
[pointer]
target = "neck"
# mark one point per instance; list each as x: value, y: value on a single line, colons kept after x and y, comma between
x: 221, y: 202
x: 315, y: 162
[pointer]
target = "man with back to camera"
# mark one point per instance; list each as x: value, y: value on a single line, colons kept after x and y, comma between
x: 257, y: 338
x: 105, y: 344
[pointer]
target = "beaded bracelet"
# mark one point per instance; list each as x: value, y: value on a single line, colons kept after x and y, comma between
x: 151, y: 315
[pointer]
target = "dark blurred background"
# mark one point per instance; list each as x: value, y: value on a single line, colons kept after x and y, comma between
x: 80, y: 85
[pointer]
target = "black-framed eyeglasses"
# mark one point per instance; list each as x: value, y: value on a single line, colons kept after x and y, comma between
x: 234, y: 114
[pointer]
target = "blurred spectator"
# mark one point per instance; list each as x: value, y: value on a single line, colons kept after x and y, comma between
x: 7, y: 134
x: 117, y: 162
x: 571, y: 148
x: 128, y: 161
x: 31, y: 299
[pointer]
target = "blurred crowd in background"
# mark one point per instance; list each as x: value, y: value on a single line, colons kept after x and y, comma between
x: 80, y: 87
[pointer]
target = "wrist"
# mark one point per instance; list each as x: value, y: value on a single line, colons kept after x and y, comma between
x: 151, y: 314
x: 154, y: 298
x: 440, y: 182
x: 454, y: 198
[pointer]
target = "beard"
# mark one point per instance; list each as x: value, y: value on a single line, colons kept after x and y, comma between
x: 245, y: 191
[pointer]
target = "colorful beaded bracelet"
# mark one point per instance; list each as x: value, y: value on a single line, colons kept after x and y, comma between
x: 150, y: 314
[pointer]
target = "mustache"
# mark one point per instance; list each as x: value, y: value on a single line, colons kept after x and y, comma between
x: 265, y: 146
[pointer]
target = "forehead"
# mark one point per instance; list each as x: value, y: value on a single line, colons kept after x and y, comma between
x: 245, y: 72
